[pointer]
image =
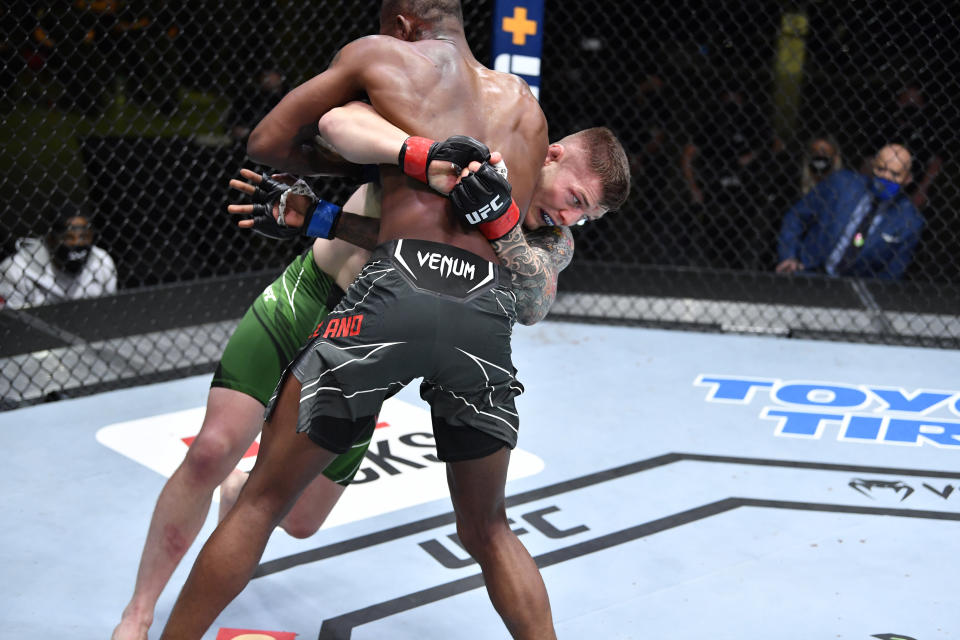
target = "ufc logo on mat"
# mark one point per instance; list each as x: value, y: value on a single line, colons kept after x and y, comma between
x: 475, y: 217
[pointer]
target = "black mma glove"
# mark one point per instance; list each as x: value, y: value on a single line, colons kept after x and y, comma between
x: 320, y: 221
x: 417, y: 153
x: 483, y: 200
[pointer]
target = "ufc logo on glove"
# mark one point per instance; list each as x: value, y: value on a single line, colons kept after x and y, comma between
x: 478, y: 216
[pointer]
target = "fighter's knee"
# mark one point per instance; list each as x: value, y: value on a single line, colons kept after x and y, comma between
x: 306, y: 517
x: 209, y: 459
x: 300, y: 528
x: 477, y: 535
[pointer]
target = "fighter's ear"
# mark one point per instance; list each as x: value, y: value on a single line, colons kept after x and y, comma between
x: 554, y: 152
x: 405, y: 29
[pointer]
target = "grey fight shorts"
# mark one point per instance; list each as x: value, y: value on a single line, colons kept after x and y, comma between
x: 418, y: 309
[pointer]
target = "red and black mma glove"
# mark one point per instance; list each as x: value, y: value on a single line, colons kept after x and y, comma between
x: 417, y: 153
x: 320, y: 221
x: 482, y: 200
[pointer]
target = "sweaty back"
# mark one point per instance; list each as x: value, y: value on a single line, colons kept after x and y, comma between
x: 434, y: 88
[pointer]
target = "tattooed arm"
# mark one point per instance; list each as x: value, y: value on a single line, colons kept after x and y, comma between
x: 535, y: 258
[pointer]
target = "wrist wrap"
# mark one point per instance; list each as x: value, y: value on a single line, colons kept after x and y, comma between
x: 322, y: 221
x: 502, y: 225
x: 414, y: 157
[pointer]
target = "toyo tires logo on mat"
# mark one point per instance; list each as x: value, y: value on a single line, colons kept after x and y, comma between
x: 855, y: 413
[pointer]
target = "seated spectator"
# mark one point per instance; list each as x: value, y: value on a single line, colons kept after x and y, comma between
x: 854, y: 225
x: 65, y: 265
x: 821, y: 159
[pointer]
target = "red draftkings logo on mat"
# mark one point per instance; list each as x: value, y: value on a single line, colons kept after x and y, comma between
x: 250, y: 634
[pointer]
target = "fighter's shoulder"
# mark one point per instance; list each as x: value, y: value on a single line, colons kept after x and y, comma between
x: 517, y: 88
x: 556, y: 242
x: 366, y: 49
x: 514, y: 93
x: 549, y: 236
x: 513, y: 83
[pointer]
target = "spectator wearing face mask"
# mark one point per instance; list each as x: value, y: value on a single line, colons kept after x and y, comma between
x: 853, y: 224
x: 915, y: 123
x: 821, y: 159
x: 64, y: 265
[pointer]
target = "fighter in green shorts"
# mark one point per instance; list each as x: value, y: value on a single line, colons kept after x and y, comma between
x: 272, y: 332
x: 274, y: 328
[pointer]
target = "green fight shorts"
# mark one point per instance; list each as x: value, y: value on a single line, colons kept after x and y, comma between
x: 271, y: 333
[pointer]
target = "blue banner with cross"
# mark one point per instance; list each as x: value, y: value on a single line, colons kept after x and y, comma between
x: 518, y: 39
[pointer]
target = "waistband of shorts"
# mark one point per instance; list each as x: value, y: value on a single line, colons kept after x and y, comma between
x: 390, y: 250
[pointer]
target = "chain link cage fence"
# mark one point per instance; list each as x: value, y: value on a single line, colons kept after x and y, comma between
x: 752, y: 127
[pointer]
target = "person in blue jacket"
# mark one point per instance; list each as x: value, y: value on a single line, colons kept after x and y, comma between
x: 853, y: 224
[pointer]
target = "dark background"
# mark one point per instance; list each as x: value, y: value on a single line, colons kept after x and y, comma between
x: 126, y: 113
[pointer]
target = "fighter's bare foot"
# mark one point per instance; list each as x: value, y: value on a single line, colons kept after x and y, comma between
x: 229, y: 490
